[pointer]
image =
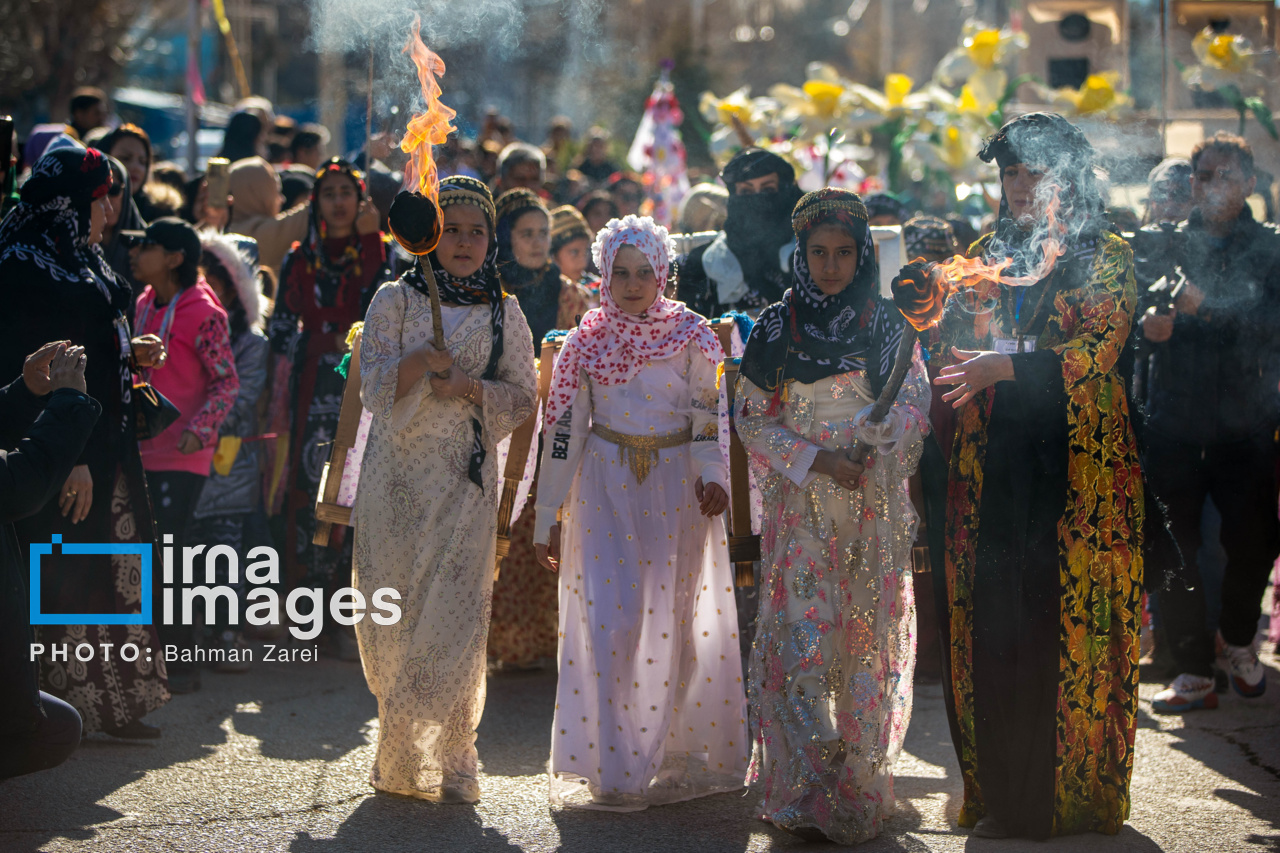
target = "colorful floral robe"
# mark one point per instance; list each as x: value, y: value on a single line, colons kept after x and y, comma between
x: 1043, y: 556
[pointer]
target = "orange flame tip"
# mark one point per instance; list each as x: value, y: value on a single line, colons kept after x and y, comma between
x: 430, y: 127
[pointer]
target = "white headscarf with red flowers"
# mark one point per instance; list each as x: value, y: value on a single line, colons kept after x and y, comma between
x: 611, y: 345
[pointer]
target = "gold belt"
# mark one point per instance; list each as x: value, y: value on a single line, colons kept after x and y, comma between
x: 640, y: 452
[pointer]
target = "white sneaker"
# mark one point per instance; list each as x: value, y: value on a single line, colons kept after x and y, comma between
x: 1248, y: 676
x: 1187, y: 693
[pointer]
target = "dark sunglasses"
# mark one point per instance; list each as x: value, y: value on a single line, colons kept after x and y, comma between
x: 116, y: 190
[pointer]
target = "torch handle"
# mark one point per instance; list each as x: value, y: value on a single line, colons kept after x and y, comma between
x: 888, y: 394
x: 437, y: 321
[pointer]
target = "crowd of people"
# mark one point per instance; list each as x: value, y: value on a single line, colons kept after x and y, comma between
x: 176, y: 365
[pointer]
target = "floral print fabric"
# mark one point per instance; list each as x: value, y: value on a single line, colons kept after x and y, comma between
x: 831, y: 665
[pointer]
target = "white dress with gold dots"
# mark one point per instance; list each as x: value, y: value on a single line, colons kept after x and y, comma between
x: 650, y: 706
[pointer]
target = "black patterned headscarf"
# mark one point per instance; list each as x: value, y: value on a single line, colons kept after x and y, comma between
x: 482, y: 287
x: 810, y: 335
x: 46, y: 236
x: 1048, y: 142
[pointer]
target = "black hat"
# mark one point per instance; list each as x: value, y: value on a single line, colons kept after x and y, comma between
x: 172, y: 234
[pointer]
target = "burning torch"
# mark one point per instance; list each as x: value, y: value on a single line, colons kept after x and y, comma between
x: 414, y: 217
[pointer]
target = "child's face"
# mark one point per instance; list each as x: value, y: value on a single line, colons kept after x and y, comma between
x: 832, y: 254
x: 531, y: 239
x: 632, y: 281
x: 572, y: 258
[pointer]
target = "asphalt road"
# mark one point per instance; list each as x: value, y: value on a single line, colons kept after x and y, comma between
x: 278, y: 759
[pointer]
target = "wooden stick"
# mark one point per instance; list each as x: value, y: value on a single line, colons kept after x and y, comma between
x: 437, y: 321
x: 888, y: 394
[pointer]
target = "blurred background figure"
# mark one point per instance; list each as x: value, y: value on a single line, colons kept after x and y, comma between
x: 88, y: 110
x: 309, y: 146
x: 703, y: 208
x: 595, y: 163
x: 255, y: 211
x: 245, y: 137
x: 229, y: 510
x: 598, y: 207
x: 520, y: 165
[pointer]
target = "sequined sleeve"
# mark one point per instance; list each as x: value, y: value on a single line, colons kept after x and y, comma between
x: 562, y: 449
x: 704, y: 408
x: 770, y: 444
x: 509, y: 397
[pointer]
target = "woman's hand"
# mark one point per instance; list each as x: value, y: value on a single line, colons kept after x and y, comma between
x: 712, y: 499
x: 367, y: 218
x: 837, y: 466
x: 36, y: 367
x: 66, y: 369
x: 149, y: 351
x: 549, y: 554
x: 77, y: 495
x: 976, y: 372
x: 189, y: 443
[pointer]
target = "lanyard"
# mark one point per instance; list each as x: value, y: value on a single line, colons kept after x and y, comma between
x: 166, y: 321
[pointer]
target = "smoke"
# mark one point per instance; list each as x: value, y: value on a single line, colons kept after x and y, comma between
x: 1069, y: 204
x: 461, y: 31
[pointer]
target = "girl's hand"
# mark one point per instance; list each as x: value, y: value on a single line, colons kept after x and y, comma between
x: 149, y: 351
x: 437, y: 361
x: 976, y: 372
x: 189, y: 442
x: 367, y: 219
x: 712, y: 499
x: 549, y: 554
x: 77, y: 495
x: 456, y: 384
x: 837, y: 466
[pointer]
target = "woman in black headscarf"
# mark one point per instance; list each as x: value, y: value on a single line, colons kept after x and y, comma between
x: 830, y: 676
x: 1044, y: 562
x: 57, y: 285
x: 744, y: 268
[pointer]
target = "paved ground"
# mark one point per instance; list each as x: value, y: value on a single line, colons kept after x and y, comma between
x: 277, y: 760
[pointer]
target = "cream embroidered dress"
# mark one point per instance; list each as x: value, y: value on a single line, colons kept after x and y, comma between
x: 831, y: 667
x: 650, y: 705
x: 423, y: 528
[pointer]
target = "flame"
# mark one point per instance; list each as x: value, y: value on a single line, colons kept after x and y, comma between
x: 430, y: 127
x: 961, y: 273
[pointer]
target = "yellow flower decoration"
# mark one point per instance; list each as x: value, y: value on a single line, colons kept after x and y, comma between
x: 1225, y: 52
x: 984, y: 48
x: 982, y: 51
x: 1223, y: 60
x: 1097, y: 96
x: 824, y: 97
x: 896, y: 89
